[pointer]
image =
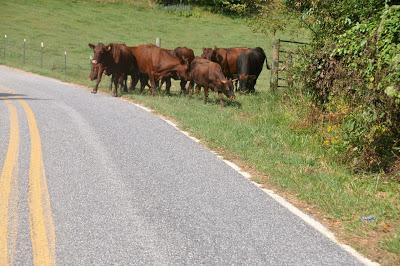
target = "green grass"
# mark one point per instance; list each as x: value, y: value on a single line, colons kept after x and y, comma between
x: 263, y: 131
x: 393, y: 244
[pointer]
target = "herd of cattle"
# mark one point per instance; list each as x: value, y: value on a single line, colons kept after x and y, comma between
x: 216, y: 69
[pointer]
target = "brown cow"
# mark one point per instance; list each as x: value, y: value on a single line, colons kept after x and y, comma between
x: 226, y: 58
x: 117, y: 60
x: 157, y: 63
x: 209, y: 75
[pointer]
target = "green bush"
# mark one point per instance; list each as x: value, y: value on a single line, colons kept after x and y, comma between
x: 356, y: 75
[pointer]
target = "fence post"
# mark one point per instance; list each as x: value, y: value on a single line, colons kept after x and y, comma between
x: 275, y: 66
x: 65, y: 63
x: 289, y: 73
x: 5, y: 44
x: 23, y: 60
x: 158, y: 42
x: 41, y: 54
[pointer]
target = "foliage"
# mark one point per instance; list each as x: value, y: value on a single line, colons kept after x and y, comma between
x: 353, y: 70
x: 233, y: 7
x: 329, y: 18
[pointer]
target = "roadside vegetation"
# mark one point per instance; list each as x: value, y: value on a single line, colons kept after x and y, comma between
x: 293, y: 141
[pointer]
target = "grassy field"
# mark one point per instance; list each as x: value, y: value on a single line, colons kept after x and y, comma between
x: 269, y: 134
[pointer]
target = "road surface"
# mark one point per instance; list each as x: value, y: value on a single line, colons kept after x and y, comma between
x: 94, y: 180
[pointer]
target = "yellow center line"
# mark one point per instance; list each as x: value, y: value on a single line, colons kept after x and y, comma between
x: 7, y: 178
x: 41, y: 222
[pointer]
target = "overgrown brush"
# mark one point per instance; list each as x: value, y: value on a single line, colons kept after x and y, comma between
x: 356, y: 74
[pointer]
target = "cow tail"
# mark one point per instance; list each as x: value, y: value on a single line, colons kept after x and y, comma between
x: 261, y: 50
x: 267, y: 65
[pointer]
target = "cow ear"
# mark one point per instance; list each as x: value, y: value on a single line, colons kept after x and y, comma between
x: 91, y: 46
x: 219, y: 58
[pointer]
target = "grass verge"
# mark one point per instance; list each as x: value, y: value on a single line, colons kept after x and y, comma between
x: 268, y: 133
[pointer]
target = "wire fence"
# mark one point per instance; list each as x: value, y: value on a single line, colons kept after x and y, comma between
x: 40, y: 56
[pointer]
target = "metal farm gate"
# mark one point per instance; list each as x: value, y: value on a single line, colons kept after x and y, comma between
x: 282, y: 62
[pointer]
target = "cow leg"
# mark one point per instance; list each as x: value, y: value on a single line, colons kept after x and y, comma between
x: 143, y: 82
x: 115, y: 88
x: 168, y: 86
x: 153, y: 85
x: 124, y: 82
x: 205, y: 94
x: 111, y: 82
x: 161, y: 83
x: 183, y: 86
x: 198, y: 89
x: 134, y: 81
x: 190, y: 87
x: 99, y: 75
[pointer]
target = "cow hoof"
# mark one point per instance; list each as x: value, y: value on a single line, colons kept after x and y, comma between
x: 94, y: 92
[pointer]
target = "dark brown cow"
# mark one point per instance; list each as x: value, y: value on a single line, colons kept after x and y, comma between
x: 117, y: 60
x: 157, y: 63
x: 226, y: 58
x: 209, y: 75
x: 250, y: 65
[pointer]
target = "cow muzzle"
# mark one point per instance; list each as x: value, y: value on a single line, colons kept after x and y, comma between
x: 94, y: 61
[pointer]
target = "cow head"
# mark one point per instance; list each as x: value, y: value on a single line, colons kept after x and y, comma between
x: 218, y: 55
x: 100, y: 52
x: 183, y: 71
x: 207, y: 53
x: 227, y: 88
x: 94, y: 71
x: 246, y: 82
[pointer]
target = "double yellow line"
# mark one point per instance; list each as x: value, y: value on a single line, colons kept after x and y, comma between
x: 41, y: 223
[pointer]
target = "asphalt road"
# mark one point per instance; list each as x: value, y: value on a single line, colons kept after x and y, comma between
x: 103, y: 182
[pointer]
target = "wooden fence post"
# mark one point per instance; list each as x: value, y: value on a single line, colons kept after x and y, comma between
x: 41, y: 54
x: 158, y: 42
x: 65, y: 64
x: 5, y: 44
x: 275, y: 66
x: 289, y: 70
x: 24, y: 54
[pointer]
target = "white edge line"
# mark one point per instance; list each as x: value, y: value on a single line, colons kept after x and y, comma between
x: 283, y: 202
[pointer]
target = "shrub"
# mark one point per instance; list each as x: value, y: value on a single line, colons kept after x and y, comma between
x: 357, y: 73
